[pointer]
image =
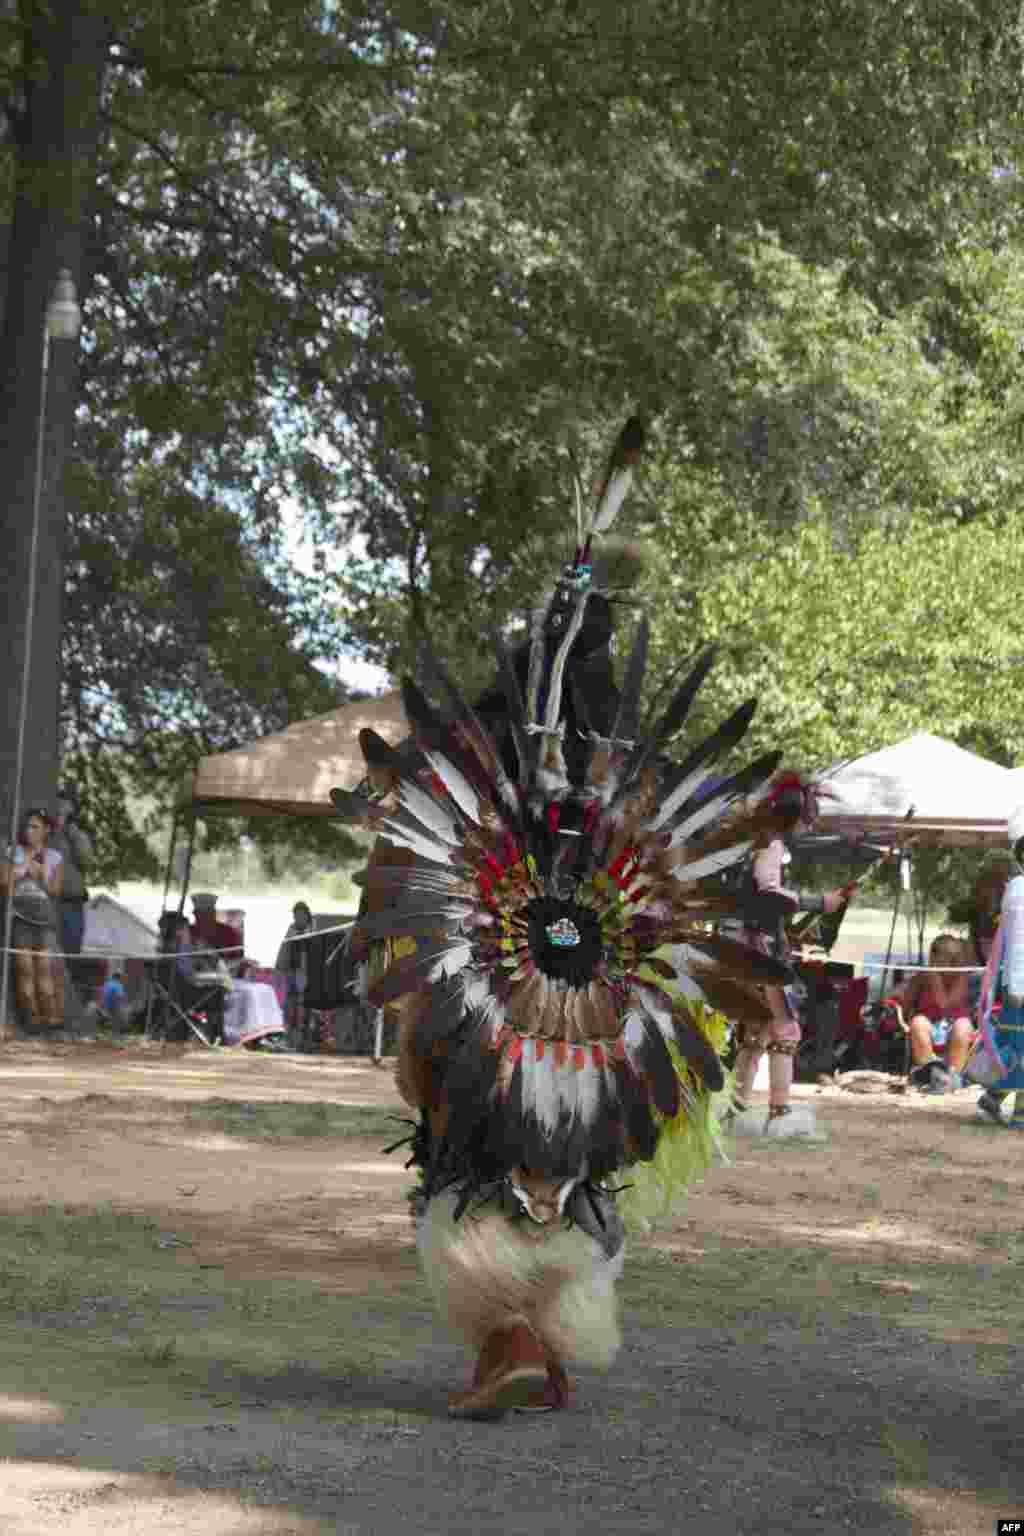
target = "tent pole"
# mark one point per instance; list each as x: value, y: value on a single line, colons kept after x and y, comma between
x: 170, y: 861
x: 188, y: 866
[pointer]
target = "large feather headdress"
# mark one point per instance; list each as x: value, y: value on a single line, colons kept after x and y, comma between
x: 558, y: 931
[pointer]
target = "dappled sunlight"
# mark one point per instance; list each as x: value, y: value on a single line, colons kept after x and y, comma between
x: 900, y: 1236
x: 382, y: 1168
x: 37, y: 1498
x: 952, y: 1513
x: 30, y: 1410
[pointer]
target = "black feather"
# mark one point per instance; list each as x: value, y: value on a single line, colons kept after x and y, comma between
x: 726, y: 736
x: 655, y: 1066
x: 679, y: 708
x: 353, y: 807
x: 696, y: 1048
x: 379, y: 753
x: 514, y: 704
x: 672, y: 720
x: 443, y: 1016
x: 742, y: 783
x: 468, y: 1088
x: 627, y: 721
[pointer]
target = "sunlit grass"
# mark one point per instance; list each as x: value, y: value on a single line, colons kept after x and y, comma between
x: 275, y: 1121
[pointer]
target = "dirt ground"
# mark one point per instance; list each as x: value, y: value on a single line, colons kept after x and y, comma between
x: 211, y: 1320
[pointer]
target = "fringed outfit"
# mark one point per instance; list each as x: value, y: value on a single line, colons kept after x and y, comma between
x: 536, y: 865
x: 780, y: 1038
x: 1004, y: 982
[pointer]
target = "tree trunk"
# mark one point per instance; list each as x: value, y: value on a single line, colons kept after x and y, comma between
x: 56, y: 131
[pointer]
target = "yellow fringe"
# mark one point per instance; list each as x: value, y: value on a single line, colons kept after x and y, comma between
x: 689, y: 1143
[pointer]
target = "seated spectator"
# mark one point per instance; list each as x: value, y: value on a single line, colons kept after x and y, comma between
x: 33, y: 878
x: 936, y: 1004
x: 208, y: 933
x: 191, y: 980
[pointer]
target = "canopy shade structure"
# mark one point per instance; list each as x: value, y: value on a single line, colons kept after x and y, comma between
x: 294, y: 771
x: 956, y: 797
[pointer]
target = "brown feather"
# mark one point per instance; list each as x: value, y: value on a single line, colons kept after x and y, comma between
x: 742, y: 1004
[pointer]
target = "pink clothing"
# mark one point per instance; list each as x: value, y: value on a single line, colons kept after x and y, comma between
x: 781, y: 1037
x: 51, y: 856
x: 767, y: 871
x: 936, y: 1006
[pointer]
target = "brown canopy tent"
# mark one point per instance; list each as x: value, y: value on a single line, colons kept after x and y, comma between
x: 294, y: 771
x: 290, y: 773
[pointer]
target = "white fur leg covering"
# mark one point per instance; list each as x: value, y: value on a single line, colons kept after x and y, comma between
x: 488, y: 1273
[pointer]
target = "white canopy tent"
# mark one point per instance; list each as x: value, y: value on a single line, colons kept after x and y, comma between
x: 925, y: 789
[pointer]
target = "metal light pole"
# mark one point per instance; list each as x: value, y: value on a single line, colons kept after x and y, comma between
x: 62, y: 323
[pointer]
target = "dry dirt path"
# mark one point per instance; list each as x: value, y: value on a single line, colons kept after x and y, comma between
x: 211, y: 1320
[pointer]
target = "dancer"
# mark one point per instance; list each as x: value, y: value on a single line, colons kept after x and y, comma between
x: 1004, y: 983
x: 790, y: 807
x: 540, y: 868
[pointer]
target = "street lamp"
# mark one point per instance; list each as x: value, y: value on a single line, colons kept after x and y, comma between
x: 62, y: 323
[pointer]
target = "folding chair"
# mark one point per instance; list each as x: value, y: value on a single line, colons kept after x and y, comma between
x: 176, y: 998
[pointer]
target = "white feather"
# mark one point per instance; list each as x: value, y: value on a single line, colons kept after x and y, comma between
x: 545, y: 1091
x: 568, y: 1089
x: 528, y: 1078
x: 589, y: 1093
x: 427, y: 811
x: 655, y: 1009
x: 609, y: 506
x: 699, y: 818
x: 678, y: 797
x: 682, y: 956
x: 633, y: 1033
x: 686, y: 874
x: 451, y: 962
x: 457, y: 785
x: 416, y: 842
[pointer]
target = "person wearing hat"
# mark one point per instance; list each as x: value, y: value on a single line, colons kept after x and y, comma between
x: 1004, y: 983
x: 208, y: 933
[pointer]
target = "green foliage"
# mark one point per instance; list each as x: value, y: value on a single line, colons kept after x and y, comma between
x: 363, y: 271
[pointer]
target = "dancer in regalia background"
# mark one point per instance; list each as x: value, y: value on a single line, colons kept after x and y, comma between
x: 1004, y: 983
x: 538, y: 860
x: 791, y: 807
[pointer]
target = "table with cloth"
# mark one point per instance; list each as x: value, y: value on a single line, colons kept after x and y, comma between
x: 251, y: 1011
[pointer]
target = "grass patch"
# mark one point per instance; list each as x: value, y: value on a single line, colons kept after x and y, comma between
x: 271, y: 1121
x: 94, y: 1309
x: 738, y: 1287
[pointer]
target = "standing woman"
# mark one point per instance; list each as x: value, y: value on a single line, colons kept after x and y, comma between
x: 292, y: 963
x: 34, y: 881
x: 791, y: 807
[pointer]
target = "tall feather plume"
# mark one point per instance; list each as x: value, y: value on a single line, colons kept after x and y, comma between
x: 514, y: 703
x: 693, y: 770
x: 618, y: 476
x: 673, y: 718
x: 479, y: 738
x: 627, y: 721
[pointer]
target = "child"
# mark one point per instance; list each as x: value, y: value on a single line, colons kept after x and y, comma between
x: 112, y: 1001
x: 941, y: 1033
